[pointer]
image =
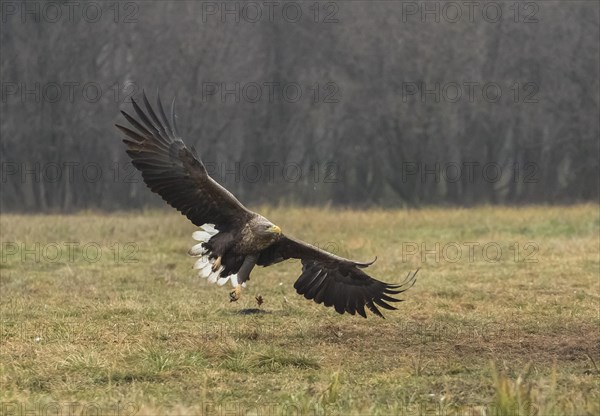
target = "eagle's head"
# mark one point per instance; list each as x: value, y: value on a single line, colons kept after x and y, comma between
x: 272, y: 229
x: 266, y: 230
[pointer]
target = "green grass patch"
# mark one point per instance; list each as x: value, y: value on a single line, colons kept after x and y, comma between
x: 129, y: 328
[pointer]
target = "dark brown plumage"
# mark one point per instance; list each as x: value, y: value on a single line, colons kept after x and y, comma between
x: 234, y: 239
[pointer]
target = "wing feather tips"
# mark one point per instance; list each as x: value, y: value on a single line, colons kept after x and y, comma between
x: 339, y: 308
x: 348, y: 290
x: 352, y: 300
x: 173, y: 119
x: 374, y: 309
x: 384, y: 305
x: 136, y: 123
x: 163, y: 116
x: 157, y: 124
x: 138, y: 138
x: 151, y: 128
x: 152, y: 124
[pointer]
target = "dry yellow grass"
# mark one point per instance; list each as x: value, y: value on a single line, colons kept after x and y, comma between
x: 103, y: 312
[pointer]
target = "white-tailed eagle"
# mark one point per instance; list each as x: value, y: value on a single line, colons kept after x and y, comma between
x: 233, y: 239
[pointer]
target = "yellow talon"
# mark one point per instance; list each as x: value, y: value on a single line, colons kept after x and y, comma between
x: 216, y: 264
x: 235, y: 294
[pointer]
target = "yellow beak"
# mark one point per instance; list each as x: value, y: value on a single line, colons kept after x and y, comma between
x: 275, y: 229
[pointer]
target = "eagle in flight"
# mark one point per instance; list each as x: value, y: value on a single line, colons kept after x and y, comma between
x: 232, y: 239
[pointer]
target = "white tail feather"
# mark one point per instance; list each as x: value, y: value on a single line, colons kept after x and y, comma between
x: 210, y: 228
x: 205, y: 264
x: 201, y: 262
x: 201, y: 236
x: 212, y: 278
x: 197, y: 250
x: 206, y: 270
x: 205, y: 233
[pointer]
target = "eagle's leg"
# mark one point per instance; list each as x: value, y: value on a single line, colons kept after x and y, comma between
x: 242, y: 275
x: 235, y: 294
x: 216, y: 264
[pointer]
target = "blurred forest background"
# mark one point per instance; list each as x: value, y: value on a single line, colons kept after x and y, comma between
x: 344, y: 103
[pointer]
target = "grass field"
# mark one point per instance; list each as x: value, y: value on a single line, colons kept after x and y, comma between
x: 103, y: 313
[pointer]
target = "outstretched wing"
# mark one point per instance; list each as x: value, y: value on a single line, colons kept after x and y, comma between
x: 175, y: 172
x: 333, y: 280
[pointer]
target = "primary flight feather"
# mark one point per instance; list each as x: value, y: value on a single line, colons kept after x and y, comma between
x: 232, y: 239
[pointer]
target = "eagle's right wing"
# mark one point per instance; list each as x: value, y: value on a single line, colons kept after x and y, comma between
x: 175, y: 172
x: 333, y: 280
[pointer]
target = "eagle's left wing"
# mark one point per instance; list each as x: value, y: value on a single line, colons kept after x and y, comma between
x: 333, y: 280
x: 175, y: 172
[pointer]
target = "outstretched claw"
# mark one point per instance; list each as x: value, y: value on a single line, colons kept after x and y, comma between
x: 216, y: 264
x: 235, y: 294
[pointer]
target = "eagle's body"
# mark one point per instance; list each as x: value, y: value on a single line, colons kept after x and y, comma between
x: 232, y: 240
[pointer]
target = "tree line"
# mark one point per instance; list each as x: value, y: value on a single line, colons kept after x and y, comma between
x: 345, y: 103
